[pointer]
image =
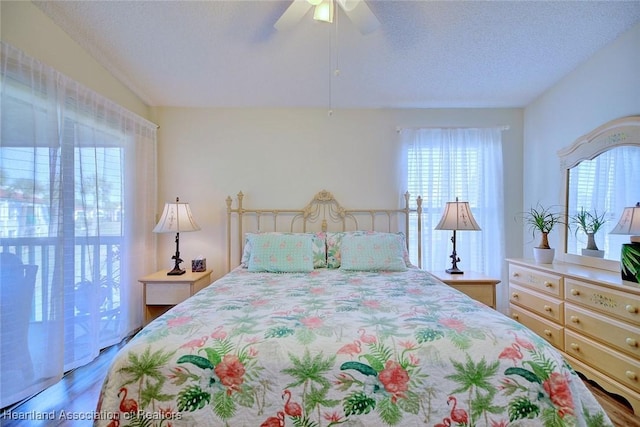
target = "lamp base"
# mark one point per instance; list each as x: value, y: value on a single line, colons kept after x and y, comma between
x: 176, y: 272
x: 454, y: 270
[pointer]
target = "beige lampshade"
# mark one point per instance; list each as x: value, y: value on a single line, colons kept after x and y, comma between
x: 457, y: 216
x: 629, y: 223
x: 176, y: 218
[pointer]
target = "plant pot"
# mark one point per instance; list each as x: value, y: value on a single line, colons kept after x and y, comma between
x: 596, y: 253
x: 543, y: 256
x: 591, y: 242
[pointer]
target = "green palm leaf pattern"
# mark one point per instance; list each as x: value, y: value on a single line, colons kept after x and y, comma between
x: 267, y: 348
x: 630, y: 261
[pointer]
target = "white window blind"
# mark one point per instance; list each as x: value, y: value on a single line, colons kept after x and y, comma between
x: 443, y: 164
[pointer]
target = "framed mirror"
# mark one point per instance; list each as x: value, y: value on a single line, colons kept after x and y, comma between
x: 601, y: 172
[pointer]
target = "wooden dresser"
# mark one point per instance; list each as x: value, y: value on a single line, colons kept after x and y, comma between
x: 588, y: 314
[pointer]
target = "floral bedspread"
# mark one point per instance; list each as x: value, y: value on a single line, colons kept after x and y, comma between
x: 334, y: 348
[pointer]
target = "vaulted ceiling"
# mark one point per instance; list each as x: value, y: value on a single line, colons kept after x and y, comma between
x: 425, y: 54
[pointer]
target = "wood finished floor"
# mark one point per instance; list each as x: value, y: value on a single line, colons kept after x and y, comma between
x: 78, y: 393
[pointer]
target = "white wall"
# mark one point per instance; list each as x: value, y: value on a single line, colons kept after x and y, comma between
x: 282, y: 157
x: 605, y: 87
x: 24, y: 26
x: 207, y: 154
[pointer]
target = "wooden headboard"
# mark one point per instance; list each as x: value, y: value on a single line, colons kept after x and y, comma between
x: 322, y: 213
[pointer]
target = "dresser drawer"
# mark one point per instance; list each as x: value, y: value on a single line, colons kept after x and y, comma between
x: 619, y: 304
x: 543, y: 282
x: 623, y: 336
x: 620, y: 367
x: 548, y: 330
x: 544, y: 305
x: 167, y: 293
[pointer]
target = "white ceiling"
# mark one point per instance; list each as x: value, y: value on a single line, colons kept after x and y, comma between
x: 426, y: 54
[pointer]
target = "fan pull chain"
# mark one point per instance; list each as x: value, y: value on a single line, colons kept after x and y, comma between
x: 334, y: 72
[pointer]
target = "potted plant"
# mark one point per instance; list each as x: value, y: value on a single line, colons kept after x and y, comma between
x: 543, y: 220
x: 589, y: 223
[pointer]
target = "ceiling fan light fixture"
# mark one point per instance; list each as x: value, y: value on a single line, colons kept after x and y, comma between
x: 314, y: 2
x: 324, y: 11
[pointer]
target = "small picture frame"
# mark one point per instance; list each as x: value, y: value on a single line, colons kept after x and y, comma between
x: 198, y: 265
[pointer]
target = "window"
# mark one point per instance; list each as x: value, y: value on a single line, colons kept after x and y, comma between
x: 443, y: 164
x: 74, y: 228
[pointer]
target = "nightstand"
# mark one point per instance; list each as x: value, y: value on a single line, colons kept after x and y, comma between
x: 476, y: 285
x: 160, y: 292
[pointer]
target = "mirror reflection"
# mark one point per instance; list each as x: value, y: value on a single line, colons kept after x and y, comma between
x: 598, y: 191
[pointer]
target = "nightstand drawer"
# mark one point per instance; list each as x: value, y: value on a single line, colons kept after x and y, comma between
x: 475, y: 285
x: 162, y: 291
x: 483, y: 294
x: 544, y: 328
x: 167, y: 293
x: 543, y: 305
x: 543, y: 282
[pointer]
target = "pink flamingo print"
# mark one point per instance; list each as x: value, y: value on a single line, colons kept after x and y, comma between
x: 196, y: 343
x: 351, y: 349
x: 367, y: 338
x: 218, y: 333
x: 457, y: 415
x: 512, y: 353
x: 127, y: 405
x: 446, y: 422
x: 292, y: 409
x: 277, y: 421
x: 522, y: 342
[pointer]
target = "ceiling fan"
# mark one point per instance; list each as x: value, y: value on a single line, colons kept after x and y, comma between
x: 357, y: 11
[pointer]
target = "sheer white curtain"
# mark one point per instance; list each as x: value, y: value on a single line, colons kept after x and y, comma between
x: 466, y: 163
x: 77, y: 203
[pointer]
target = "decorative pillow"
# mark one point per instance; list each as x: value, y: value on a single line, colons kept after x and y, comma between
x: 318, y: 243
x: 334, y: 243
x: 372, y: 252
x: 281, y: 253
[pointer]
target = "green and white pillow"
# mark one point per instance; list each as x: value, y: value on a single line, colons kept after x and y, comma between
x: 281, y: 253
x: 372, y: 252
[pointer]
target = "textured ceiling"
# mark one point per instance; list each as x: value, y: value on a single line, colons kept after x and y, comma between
x: 425, y: 54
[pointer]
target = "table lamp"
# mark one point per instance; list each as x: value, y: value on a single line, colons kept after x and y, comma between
x: 176, y: 218
x: 457, y: 216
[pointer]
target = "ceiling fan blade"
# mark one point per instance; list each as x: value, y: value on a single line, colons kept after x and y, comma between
x: 292, y: 15
x: 360, y: 14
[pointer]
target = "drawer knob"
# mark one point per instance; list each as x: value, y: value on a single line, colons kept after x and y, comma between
x: 547, y: 332
x: 548, y: 284
x: 516, y: 274
x: 631, y: 309
x: 575, y: 319
x: 515, y: 295
x: 547, y: 308
x: 631, y: 375
x: 631, y: 342
x: 575, y: 292
x: 575, y: 346
x: 515, y: 316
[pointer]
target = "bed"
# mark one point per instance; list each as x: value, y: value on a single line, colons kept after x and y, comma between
x: 327, y: 328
